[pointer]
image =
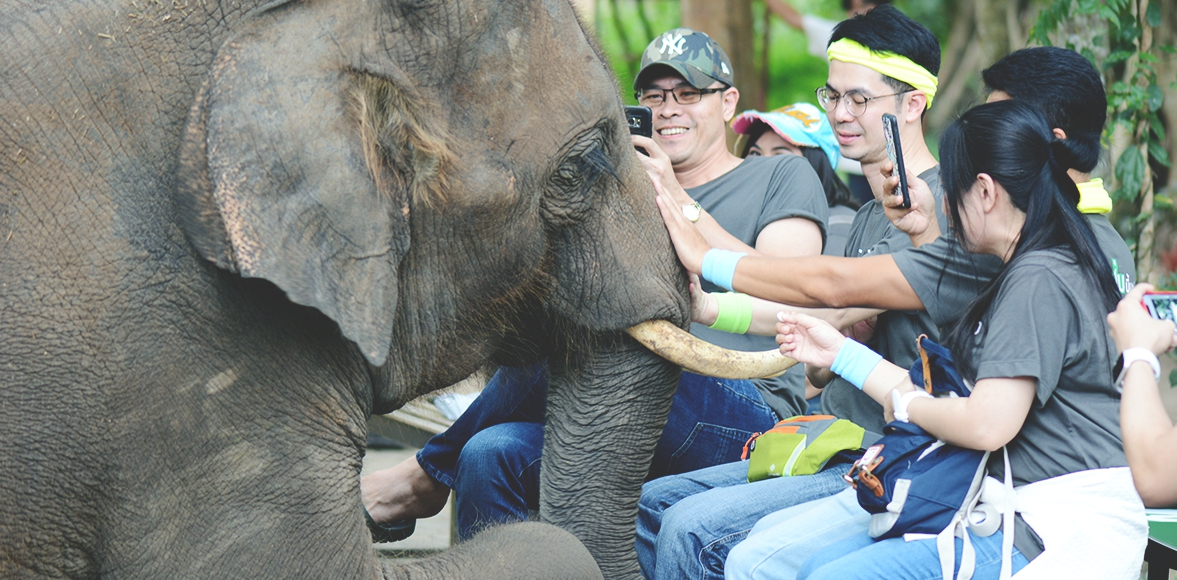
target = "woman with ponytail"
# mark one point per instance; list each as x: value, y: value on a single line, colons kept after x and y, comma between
x: 1034, y: 345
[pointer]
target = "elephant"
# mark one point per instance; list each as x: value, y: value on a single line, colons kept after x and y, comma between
x: 232, y: 230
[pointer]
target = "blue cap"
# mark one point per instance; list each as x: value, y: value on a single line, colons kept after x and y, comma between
x: 801, y: 124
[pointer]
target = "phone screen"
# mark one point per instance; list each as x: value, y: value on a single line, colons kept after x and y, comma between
x: 1162, y: 305
x: 895, y: 154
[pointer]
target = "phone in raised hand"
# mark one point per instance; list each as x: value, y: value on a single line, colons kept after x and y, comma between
x: 895, y: 154
x: 641, y: 122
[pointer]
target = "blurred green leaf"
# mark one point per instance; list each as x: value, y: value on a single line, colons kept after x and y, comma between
x: 1130, y: 172
x: 1156, y: 97
x: 1118, y: 56
x: 1153, y: 15
x: 1157, y: 151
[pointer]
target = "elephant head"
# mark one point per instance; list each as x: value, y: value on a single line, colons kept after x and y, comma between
x: 272, y: 221
x: 442, y: 179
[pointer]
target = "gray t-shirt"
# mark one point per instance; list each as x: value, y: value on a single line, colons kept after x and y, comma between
x: 758, y: 192
x: 946, y: 277
x: 1048, y: 322
x: 895, y: 332
x: 838, y: 230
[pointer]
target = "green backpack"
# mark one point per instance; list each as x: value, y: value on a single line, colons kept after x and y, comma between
x: 802, y: 445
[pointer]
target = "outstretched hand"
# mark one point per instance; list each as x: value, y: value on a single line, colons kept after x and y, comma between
x: 807, y: 339
x: 704, y: 309
x: 661, y: 171
x: 1133, y: 327
x: 919, y: 221
x: 689, y: 243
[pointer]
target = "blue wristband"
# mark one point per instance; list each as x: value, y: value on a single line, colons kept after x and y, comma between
x: 855, y: 362
x: 719, y: 267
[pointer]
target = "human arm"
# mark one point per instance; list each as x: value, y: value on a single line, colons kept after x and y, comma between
x: 813, y: 281
x: 989, y: 418
x: 1147, y: 431
x: 786, y: 12
x: 782, y: 238
x: 705, y: 310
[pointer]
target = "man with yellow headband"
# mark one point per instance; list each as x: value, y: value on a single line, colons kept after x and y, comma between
x: 687, y: 523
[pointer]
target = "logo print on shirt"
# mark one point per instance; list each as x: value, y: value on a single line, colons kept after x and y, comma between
x: 675, y: 44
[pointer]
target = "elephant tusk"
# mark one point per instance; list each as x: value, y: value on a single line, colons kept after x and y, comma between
x: 699, y: 356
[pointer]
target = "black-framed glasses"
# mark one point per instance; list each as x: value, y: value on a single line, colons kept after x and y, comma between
x: 683, y: 95
x: 855, y: 102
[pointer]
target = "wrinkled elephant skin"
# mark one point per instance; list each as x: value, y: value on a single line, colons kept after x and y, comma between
x: 230, y: 232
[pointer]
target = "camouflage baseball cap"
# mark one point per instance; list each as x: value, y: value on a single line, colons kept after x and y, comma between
x: 692, y: 54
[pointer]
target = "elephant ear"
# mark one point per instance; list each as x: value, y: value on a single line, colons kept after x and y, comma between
x: 299, y: 170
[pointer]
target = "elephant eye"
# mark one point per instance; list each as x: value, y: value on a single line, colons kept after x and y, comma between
x: 572, y: 183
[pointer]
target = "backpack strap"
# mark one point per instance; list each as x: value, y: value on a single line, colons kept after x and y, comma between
x: 958, y: 528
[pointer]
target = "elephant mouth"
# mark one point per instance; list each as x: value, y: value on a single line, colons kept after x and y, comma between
x: 699, y: 356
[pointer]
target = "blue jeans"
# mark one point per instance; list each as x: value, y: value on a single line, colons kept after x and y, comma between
x: 710, y: 420
x: 895, y: 559
x: 688, y: 523
x: 782, y: 541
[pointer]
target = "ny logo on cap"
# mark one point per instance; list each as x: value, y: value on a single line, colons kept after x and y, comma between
x: 672, y: 43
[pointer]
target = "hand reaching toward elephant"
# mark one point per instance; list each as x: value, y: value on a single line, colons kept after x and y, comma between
x: 658, y: 167
x: 808, y: 339
x: 689, y: 243
x: 704, y: 309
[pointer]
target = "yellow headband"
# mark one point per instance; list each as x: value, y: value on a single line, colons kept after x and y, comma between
x: 887, y: 64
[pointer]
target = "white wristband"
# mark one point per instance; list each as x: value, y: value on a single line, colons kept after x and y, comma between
x: 1132, y: 355
x: 899, y: 402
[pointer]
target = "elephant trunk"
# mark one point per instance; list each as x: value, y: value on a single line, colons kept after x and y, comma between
x: 612, y: 397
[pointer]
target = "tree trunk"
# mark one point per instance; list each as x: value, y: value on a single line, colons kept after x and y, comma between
x: 729, y: 22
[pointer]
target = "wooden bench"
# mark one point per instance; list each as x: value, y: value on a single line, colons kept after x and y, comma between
x: 1161, y: 553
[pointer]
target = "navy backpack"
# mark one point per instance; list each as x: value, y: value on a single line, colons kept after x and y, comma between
x: 911, y: 482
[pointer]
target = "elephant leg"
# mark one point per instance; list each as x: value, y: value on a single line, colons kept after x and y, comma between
x: 607, y: 405
x: 524, y: 551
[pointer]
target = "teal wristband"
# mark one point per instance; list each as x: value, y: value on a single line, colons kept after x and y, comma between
x: 719, y: 267
x: 855, y: 362
x: 735, y: 312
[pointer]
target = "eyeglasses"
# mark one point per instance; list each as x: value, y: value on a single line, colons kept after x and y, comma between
x: 683, y: 95
x: 854, y: 101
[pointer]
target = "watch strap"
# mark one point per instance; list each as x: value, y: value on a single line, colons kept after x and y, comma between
x: 899, y: 403
x: 1132, y: 355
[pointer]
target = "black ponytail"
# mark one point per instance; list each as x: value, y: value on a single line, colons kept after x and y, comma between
x: 1012, y: 143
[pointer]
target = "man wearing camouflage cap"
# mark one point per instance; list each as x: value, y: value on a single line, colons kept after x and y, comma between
x: 759, y: 206
x: 491, y: 454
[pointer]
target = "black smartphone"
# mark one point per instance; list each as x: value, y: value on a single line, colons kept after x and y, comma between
x: 641, y: 122
x: 895, y: 153
x: 1161, y: 305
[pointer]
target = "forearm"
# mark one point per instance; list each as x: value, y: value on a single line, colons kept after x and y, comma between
x: 952, y: 420
x: 1149, y: 438
x: 828, y: 282
x: 717, y: 237
x: 786, y: 12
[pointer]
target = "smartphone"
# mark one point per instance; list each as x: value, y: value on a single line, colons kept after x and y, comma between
x: 1161, y: 305
x: 895, y: 153
x: 641, y: 122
